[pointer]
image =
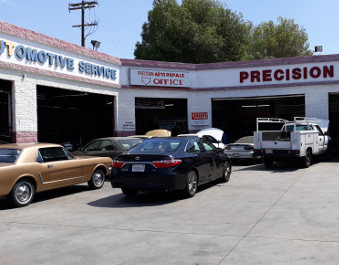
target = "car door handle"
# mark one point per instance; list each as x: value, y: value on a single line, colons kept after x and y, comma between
x: 50, y: 165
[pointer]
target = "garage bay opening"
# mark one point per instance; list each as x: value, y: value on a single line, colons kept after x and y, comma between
x: 66, y: 115
x: 6, y: 112
x: 157, y: 113
x: 237, y: 116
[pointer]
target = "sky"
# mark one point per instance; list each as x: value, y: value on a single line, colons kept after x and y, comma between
x: 120, y: 21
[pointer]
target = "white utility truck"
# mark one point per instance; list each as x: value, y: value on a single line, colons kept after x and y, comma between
x: 299, y: 139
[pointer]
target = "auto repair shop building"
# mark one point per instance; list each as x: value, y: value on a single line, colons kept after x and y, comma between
x: 55, y: 91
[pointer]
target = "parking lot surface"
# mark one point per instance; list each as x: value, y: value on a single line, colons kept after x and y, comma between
x: 280, y: 215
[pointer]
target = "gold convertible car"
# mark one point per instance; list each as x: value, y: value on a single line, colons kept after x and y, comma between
x: 29, y: 168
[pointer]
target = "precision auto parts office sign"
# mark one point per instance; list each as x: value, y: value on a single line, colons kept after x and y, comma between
x: 145, y: 77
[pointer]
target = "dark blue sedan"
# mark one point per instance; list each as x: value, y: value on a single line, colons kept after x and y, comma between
x: 175, y: 163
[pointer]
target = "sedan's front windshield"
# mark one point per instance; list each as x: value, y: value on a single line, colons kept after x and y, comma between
x: 158, y: 145
x: 9, y: 155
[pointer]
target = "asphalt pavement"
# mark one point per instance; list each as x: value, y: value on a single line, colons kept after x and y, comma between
x: 280, y: 215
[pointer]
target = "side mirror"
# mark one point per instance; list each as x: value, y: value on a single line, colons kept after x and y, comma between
x: 326, y: 133
x: 220, y: 150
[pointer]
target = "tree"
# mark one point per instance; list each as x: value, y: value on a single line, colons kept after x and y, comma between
x: 285, y: 39
x: 197, y: 31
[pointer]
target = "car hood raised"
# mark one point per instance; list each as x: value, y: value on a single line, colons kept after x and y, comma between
x: 216, y: 133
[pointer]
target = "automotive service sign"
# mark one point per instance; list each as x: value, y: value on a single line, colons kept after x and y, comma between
x: 200, y: 118
x: 140, y: 77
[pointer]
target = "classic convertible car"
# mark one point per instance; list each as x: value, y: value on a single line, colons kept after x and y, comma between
x: 29, y: 168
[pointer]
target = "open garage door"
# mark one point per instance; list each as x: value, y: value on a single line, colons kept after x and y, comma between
x: 334, y: 118
x: 237, y: 116
x: 156, y: 113
x: 66, y: 115
x: 5, y: 111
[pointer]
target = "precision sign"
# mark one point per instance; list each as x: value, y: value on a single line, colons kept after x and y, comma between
x: 140, y: 77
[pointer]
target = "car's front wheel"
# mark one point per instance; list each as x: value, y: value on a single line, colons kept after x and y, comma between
x: 22, y: 193
x: 227, y: 172
x: 191, y: 185
x: 97, y: 180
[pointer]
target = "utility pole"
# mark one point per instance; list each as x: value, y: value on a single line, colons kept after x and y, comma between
x: 83, y: 5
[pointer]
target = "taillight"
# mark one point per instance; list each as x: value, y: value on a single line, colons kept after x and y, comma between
x: 248, y: 147
x: 227, y: 148
x: 166, y: 163
x: 117, y: 163
x: 257, y: 151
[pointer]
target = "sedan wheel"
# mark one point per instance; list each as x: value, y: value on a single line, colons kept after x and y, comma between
x: 22, y: 193
x: 191, y: 185
x: 97, y: 180
x: 227, y: 172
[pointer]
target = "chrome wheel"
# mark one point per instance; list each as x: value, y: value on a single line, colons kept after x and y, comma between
x: 24, y: 192
x: 97, y: 180
x: 192, y: 182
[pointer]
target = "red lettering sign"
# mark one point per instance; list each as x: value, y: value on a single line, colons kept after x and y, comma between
x: 279, y: 74
x: 199, y: 116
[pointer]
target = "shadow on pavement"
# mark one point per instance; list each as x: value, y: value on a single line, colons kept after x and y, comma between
x: 48, y: 195
x: 149, y: 198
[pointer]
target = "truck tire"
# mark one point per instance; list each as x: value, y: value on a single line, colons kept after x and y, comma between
x: 306, y: 160
x: 268, y: 162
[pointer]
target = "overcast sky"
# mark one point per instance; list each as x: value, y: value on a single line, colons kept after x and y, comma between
x: 121, y: 20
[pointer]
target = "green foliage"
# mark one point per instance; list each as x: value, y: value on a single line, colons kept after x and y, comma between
x: 198, y: 31
x: 285, y: 39
x: 206, y: 31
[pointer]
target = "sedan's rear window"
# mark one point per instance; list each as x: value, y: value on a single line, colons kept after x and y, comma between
x: 128, y: 143
x: 158, y: 145
x: 246, y: 140
x: 9, y: 155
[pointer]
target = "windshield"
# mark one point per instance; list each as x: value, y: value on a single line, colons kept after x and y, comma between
x: 156, y: 146
x: 128, y: 143
x: 299, y: 127
x: 246, y: 140
x: 9, y: 155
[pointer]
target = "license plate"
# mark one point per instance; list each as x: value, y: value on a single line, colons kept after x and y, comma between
x: 138, y: 168
x: 236, y: 154
x: 269, y: 151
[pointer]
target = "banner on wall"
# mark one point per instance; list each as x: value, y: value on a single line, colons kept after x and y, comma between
x: 200, y: 118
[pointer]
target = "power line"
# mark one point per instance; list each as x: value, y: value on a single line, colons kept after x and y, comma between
x: 113, y: 33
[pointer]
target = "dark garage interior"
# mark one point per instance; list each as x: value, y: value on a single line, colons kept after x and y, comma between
x: 6, y: 112
x: 157, y: 113
x: 66, y: 115
x: 334, y: 118
x: 237, y: 116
